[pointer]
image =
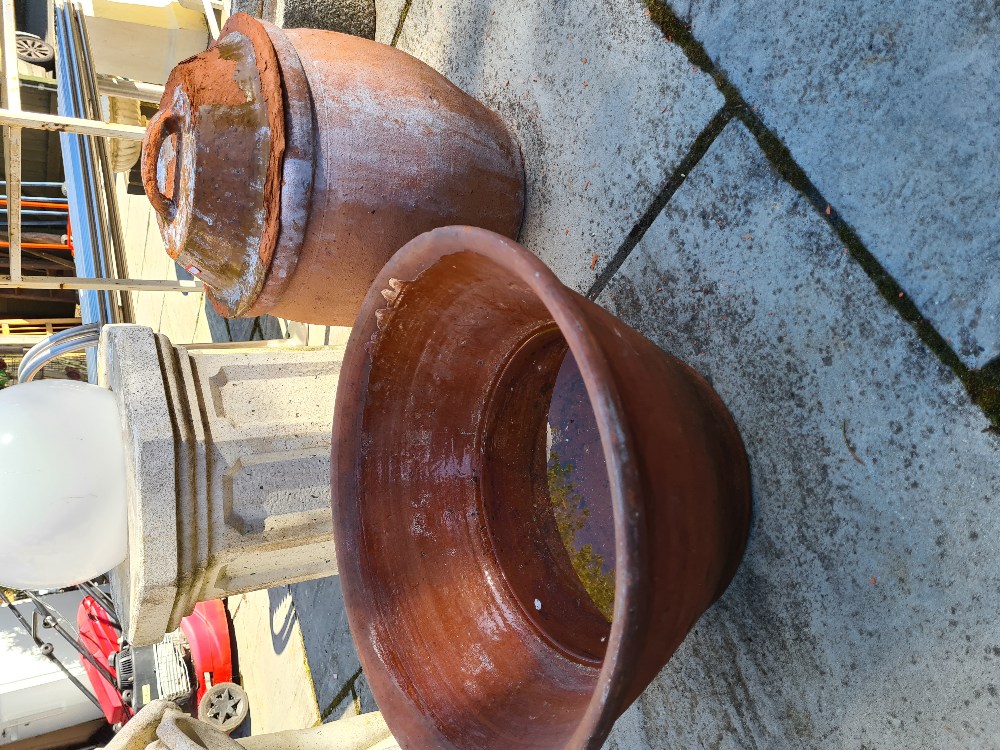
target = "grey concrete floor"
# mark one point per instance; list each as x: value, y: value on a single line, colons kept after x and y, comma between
x: 801, y: 203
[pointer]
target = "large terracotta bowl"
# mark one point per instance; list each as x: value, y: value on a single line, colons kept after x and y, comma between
x: 500, y: 595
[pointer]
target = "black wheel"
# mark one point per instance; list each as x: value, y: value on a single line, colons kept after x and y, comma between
x: 224, y: 706
x: 33, y: 50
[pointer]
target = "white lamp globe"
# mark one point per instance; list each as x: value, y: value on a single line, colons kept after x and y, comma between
x: 63, y: 516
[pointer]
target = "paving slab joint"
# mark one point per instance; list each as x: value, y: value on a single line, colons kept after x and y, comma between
x: 341, y: 695
x: 982, y: 385
x: 698, y: 149
x: 399, y: 25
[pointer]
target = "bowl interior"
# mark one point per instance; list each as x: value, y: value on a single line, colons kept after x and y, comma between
x: 486, y: 539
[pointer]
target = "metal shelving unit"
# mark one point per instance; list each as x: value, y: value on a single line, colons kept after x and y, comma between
x: 97, y: 229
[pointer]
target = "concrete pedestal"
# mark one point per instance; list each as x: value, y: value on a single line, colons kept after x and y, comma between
x: 228, y: 461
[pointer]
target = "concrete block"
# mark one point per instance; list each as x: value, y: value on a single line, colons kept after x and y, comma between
x: 603, y: 106
x: 228, y: 463
x: 864, y: 614
x: 893, y: 110
x: 145, y: 585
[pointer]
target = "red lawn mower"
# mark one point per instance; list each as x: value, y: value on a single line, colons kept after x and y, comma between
x: 192, y: 666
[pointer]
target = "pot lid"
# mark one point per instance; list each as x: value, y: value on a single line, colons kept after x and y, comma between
x: 211, y: 163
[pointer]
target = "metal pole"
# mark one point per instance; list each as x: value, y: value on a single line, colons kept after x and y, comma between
x: 69, y: 82
x: 61, y: 124
x: 12, y: 139
x: 50, y: 619
x: 119, y: 262
x: 72, y: 339
x: 95, y: 593
x: 95, y: 217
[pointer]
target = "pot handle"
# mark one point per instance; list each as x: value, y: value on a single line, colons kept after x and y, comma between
x: 163, y: 124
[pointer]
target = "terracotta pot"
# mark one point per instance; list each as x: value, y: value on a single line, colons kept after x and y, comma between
x: 286, y: 167
x: 478, y: 608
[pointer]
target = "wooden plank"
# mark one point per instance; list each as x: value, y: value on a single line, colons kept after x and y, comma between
x: 11, y: 81
x: 52, y: 259
x: 24, y: 295
x: 68, y: 322
x: 110, y: 85
x: 32, y: 328
x: 12, y: 164
x: 213, y: 22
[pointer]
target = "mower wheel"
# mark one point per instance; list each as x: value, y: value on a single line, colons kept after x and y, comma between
x: 224, y: 706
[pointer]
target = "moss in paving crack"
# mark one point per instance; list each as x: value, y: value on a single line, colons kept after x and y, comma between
x: 698, y: 149
x: 399, y: 26
x: 680, y: 33
x: 982, y: 385
x: 341, y: 696
x: 309, y: 677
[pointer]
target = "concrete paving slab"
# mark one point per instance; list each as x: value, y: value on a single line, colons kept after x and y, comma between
x: 603, y: 106
x: 272, y: 661
x: 387, y: 14
x: 893, y: 110
x: 179, y: 315
x: 241, y: 329
x: 346, y: 16
x: 864, y: 614
x: 341, y: 687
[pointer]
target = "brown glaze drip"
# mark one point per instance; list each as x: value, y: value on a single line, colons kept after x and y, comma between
x: 271, y: 92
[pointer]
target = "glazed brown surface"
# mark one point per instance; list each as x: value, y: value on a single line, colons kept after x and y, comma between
x: 214, y: 152
x: 472, y: 626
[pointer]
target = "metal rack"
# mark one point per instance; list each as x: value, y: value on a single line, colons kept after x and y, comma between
x: 101, y: 233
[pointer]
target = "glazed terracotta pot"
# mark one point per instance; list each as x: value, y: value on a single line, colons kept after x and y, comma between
x: 287, y: 166
x: 533, y: 504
